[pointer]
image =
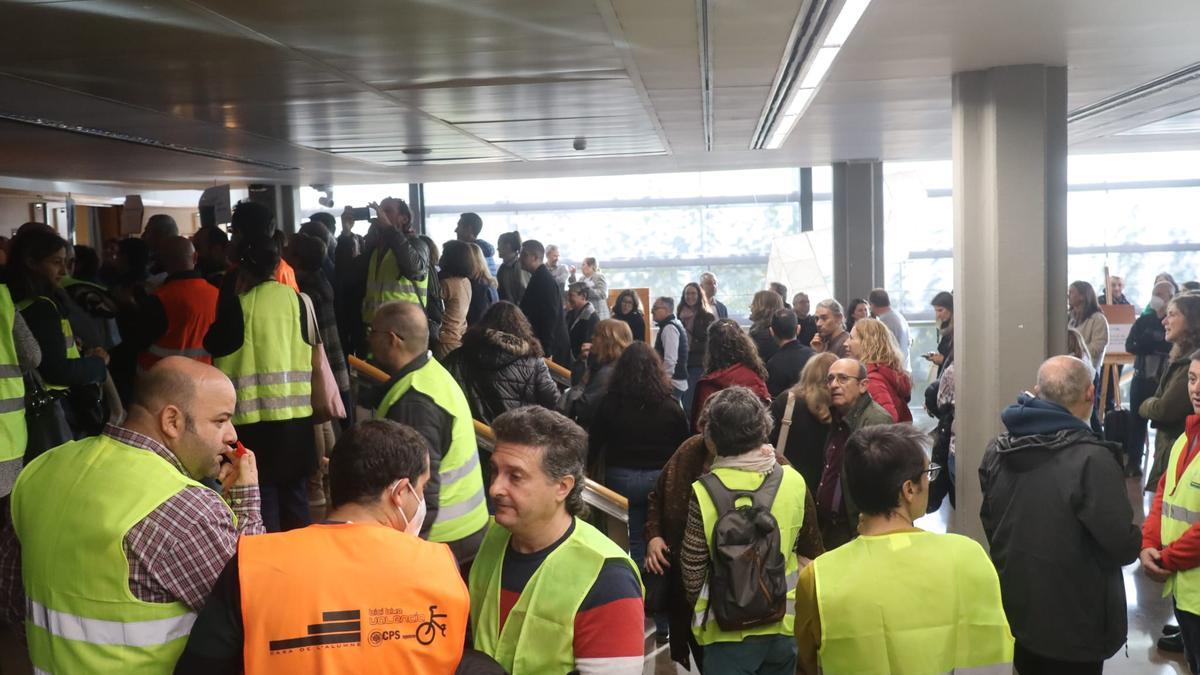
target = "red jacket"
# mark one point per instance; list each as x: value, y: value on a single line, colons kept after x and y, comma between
x: 736, y: 375
x: 1184, y: 552
x: 890, y: 389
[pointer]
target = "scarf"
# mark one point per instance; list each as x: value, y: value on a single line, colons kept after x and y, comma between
x: 761, y: 460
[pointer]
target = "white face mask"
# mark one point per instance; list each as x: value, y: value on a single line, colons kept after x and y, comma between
x: 1157, y: 303
x: 413, y: 526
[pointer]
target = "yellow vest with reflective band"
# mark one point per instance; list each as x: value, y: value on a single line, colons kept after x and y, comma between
x: 539, y: 633
x: 386, y: 284
x: 272, y: 370
x: 462, y: 510
x: 911, y: 603
x: 72, y: 508
x: 788, y: 510
x: 13, y: 435
x: 1181, y: 510
x: 68, y: 334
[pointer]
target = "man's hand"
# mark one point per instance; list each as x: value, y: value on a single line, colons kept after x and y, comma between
x: 1150, y: 558
x: 99, y: 353
x: 817, y: 344
x: 656, y: 556
x: 241, y: 471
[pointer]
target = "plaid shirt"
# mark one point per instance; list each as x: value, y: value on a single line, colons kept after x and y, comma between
x: 175, y: 553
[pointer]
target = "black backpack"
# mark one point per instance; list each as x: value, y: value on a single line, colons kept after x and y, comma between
x: 747, y: 582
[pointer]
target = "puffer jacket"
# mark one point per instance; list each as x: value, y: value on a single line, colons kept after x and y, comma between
x: 498, y: 373
x: 1058, y: 519
x: 890, y: 389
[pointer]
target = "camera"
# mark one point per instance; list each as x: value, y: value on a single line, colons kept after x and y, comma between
x: 362, y: 213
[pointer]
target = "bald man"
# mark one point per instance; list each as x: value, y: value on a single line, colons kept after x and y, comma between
x: 1056, y: 513
x: 422, y: 395
x: 119, y: 541
x: 178, y: 314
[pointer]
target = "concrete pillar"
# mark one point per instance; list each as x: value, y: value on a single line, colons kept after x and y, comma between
x: 1010, y: 252
x: 857, y: 228
x: 284, y: 202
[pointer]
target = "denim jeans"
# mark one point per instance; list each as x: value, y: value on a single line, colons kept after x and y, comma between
x: 285, y: 505
x: 694, y: 373
x: 635, y: 485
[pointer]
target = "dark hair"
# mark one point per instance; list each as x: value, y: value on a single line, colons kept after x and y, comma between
x: 728, y: 346
x: 215, y: 235
x: 879, y: 298
x: 563, y: 442
x: 344, y: 253
x: 1189, y: 306
x: 457, y: 260
x: 1191, y: 285
x: 510, y: 239
x: 637, y: 304
x: 702, y: 303
x: 878, y: 461
x: 252, y: 219
x: 1090, y: 304
x: 783, y: 324
x: 257, y: 258
x: 30, y: 247
x: 308, y: 252
x: 533, y: 247
x: 472, y: 221
x: 737, y: 422
x: 639, y: 376
x: 778, y: 288
x: 578, y: 288
x: 372, y: 455
x: 87, y: 263
x: 325, y: 219
x: 317, y: 231
x: 136, y: 254
x: 848, y: 317
x: 503, y: 317
x: 668, y: 301
x: 944, y: 300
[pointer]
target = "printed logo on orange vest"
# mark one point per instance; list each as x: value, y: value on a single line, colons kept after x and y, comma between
x: 425, y: 632
x: 337, y: 629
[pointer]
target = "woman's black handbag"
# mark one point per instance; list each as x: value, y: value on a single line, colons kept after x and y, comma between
x: 656, y: 593
x: 44, y: 418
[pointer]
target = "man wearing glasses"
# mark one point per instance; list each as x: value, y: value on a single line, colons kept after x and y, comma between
x: 898, y: 599
x: 852, y: 409
x: 1060, y: 526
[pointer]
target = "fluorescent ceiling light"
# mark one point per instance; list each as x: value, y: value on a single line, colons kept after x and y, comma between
x: 799, y: 102
x: 782, y: 128
x: 852, y: 11
x: 819, y: 67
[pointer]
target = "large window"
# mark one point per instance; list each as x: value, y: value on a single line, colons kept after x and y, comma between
x: 350, y: 195
x: 1135, y: 213
x: 658, y: 230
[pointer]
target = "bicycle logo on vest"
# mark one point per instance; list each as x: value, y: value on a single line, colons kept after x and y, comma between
x: 425, y: 632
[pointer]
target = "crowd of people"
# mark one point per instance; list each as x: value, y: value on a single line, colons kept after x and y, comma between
x: 195, y: 480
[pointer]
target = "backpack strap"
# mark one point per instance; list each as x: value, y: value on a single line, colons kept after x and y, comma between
x: 786, y: 425
x: 723, y: 498
x: 764, y: 495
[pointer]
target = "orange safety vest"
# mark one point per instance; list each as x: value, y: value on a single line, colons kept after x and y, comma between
x: 191, y: 308
x: 350, y: 598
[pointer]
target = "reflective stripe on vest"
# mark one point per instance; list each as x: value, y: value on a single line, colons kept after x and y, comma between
x: 552, y: 596
x: 788, y: 509
x: 13, y: 433
x: 462, y: 509
x: 83, y: 617
x: 911, y: 603
x: 1180, y: 511
x: 190, y: 306
x: 272, y: 370
x: 386, y: 284
x: 68, y: 334
x: 374, y: 619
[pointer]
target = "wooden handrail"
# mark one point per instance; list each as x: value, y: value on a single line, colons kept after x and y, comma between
x: 484, y: 431
x: 558, y: 370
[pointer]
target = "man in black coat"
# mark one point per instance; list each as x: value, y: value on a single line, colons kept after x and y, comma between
x: 783, y: 369
x: 1057, y: 516
x: 542, y: 304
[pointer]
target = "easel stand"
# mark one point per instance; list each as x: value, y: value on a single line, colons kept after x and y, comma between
x: 1110, y: 376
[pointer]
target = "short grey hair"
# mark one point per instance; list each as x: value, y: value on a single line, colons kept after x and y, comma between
x: 832, y: 305
x: 1064, y: 380
x: 564, y: 446
x: 736, y: 421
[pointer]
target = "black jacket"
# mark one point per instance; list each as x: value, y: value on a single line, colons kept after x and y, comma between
x: 807, y: 328
x: 637, y: 324
x: 698, y: 339
x: 498, y: 373
x: 765, y: 342
x: 1147, y: 342
x: 581, y: 323
x: 1057, y: 516
x: 805, y: 447
x: 636, y: 434
x: 783, y: 370
x: 542, y: 304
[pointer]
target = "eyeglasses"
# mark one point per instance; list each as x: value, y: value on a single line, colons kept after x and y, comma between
x: 840, y: 378
x: 934, y: 471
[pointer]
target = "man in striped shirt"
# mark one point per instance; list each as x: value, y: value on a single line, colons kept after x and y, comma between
x: 181, y: 413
